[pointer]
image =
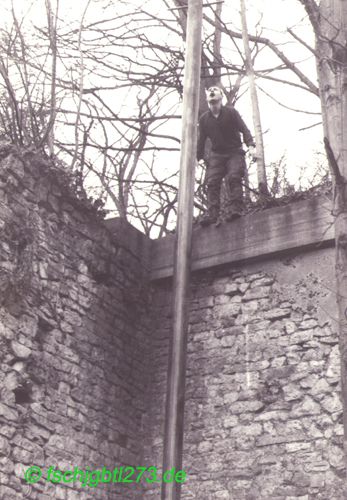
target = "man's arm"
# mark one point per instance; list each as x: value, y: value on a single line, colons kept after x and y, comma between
x: 201, y: 141
x: 242, y: 127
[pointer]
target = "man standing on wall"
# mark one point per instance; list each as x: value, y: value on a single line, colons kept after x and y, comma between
x: 223, y: 124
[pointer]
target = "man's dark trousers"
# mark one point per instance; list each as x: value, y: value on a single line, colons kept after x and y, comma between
x: 232, y: 168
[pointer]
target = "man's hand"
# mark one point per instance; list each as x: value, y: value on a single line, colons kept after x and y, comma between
x: 252, y: 153
x: 202, y: 163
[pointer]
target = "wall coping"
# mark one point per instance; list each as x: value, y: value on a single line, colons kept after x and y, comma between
x: 307, y: 224
x: 130, y: 238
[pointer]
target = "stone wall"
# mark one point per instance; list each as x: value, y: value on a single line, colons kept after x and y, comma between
x: 84, y: 340
x: 263, y: 416
x: 73, y: 336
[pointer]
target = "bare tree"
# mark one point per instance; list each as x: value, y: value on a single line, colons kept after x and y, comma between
x: 329, y: 21
x: 64, y: 85
x: 262, y: 182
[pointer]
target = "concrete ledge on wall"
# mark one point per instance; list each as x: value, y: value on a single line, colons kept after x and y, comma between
x: 303, y: 224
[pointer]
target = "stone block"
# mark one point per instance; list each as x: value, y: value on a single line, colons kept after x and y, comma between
x: 19, y: 350
x: 277, y: 313
x: 256, y: 293
x: 306, y: 407
x: 332, y: 404
x: 246, y: 406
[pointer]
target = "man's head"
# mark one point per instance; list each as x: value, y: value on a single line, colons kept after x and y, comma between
x: 214, y: 98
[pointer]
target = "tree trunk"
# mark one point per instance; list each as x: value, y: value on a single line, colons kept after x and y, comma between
x: 247, y: 190
x: 217, y: 57
x: 330, y: 24
x: 262, y: 182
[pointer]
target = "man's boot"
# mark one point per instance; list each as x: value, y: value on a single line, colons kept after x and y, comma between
x: 210, y: 217
x: 232, y: 216
x: 233, y: 211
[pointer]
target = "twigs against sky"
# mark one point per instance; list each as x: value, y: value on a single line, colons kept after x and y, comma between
x: 100, y: 84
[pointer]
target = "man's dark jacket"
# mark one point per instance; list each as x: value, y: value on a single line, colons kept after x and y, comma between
x: 223, y: 131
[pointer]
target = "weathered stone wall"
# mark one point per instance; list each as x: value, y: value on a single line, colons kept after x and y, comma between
x: 73, y: 337
x: 263, y: 416
x: 84, y: 345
